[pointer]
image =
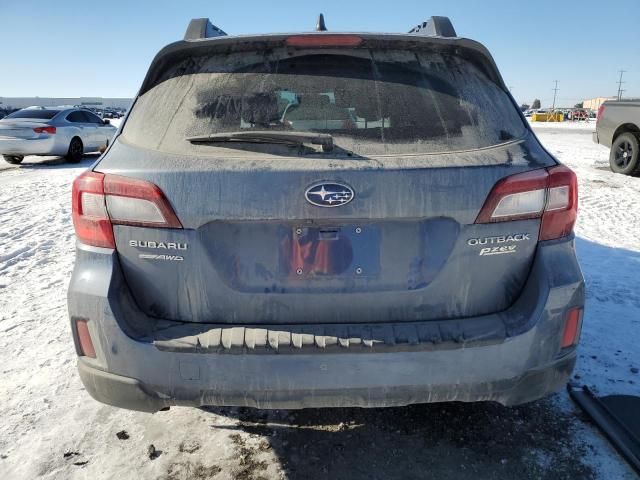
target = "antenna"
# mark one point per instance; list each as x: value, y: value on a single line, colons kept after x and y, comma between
x: 620, y: 82
x: 320, y: 26
x: 555, y: 93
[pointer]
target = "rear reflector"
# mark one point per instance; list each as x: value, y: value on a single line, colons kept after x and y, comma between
x: 572, y: 328
x: 84, y: 339
x: 101, y: 201
x: 551, y: 194
x: 323, y: 40
x: 50, y: 130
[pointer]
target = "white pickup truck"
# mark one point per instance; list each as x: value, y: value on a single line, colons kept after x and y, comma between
x: 618, y: 127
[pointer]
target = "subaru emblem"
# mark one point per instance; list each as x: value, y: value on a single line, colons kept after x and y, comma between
x: 329, y: 194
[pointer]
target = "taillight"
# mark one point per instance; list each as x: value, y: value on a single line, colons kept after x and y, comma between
x: 138, y: 202
x: 572, y: 328
x: 50, y: 130
x: 90, y: 218
x: 323, y: 40
x: 517, y: 197
x: 100, y: 201
x: 84, y: 339
x: 551, y: 194
x: 561, y: 210
x: 600, y: 112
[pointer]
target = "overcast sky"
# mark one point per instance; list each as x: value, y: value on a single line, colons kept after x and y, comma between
x: 84, y: 48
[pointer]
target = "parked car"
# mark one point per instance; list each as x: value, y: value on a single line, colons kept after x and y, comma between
x: 579, y: 114
x: 416, y: 249
x: 618, y: 127
x: 69, y: 132
x: 110, y: 113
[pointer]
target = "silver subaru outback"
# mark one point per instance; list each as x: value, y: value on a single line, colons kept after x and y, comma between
x: 324, y: 219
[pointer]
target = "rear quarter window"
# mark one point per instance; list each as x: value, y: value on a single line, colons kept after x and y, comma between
x: 76, y: 117
x: 371, y: 102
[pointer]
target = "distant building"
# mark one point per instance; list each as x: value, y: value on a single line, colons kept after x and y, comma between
x: 99, y: 102
x: 594, y: 103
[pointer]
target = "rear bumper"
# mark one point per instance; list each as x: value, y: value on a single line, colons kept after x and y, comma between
x: 25, y: 146
x: 273, y: 384
x: 516, y: 359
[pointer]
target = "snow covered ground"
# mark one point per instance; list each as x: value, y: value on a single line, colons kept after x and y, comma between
x: 50, y: 427
x: 608, y: 245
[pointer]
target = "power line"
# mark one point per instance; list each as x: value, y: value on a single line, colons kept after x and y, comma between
x: 620, y: 82
x: 555, y: 93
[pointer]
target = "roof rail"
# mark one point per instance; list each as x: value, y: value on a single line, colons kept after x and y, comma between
x: 435, y: 27
x: 200, y: 28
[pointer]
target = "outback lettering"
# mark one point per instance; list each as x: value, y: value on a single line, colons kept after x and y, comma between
x: 518, y: 237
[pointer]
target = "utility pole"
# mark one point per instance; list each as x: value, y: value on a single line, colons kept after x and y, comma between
x: 555, y: 92
x: 620, y: 82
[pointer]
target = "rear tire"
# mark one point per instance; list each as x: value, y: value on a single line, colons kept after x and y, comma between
x: 76, y: 150
x: 13, y: 159
x: 625, y: 155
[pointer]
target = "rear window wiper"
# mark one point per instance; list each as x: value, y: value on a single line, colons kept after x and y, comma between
x: 256, y: 136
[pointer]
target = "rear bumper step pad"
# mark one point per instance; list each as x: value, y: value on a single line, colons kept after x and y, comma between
x: 194, y: 338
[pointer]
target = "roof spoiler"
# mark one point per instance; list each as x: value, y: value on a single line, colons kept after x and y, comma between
x: 200, y: 28
x: 435, y: 27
